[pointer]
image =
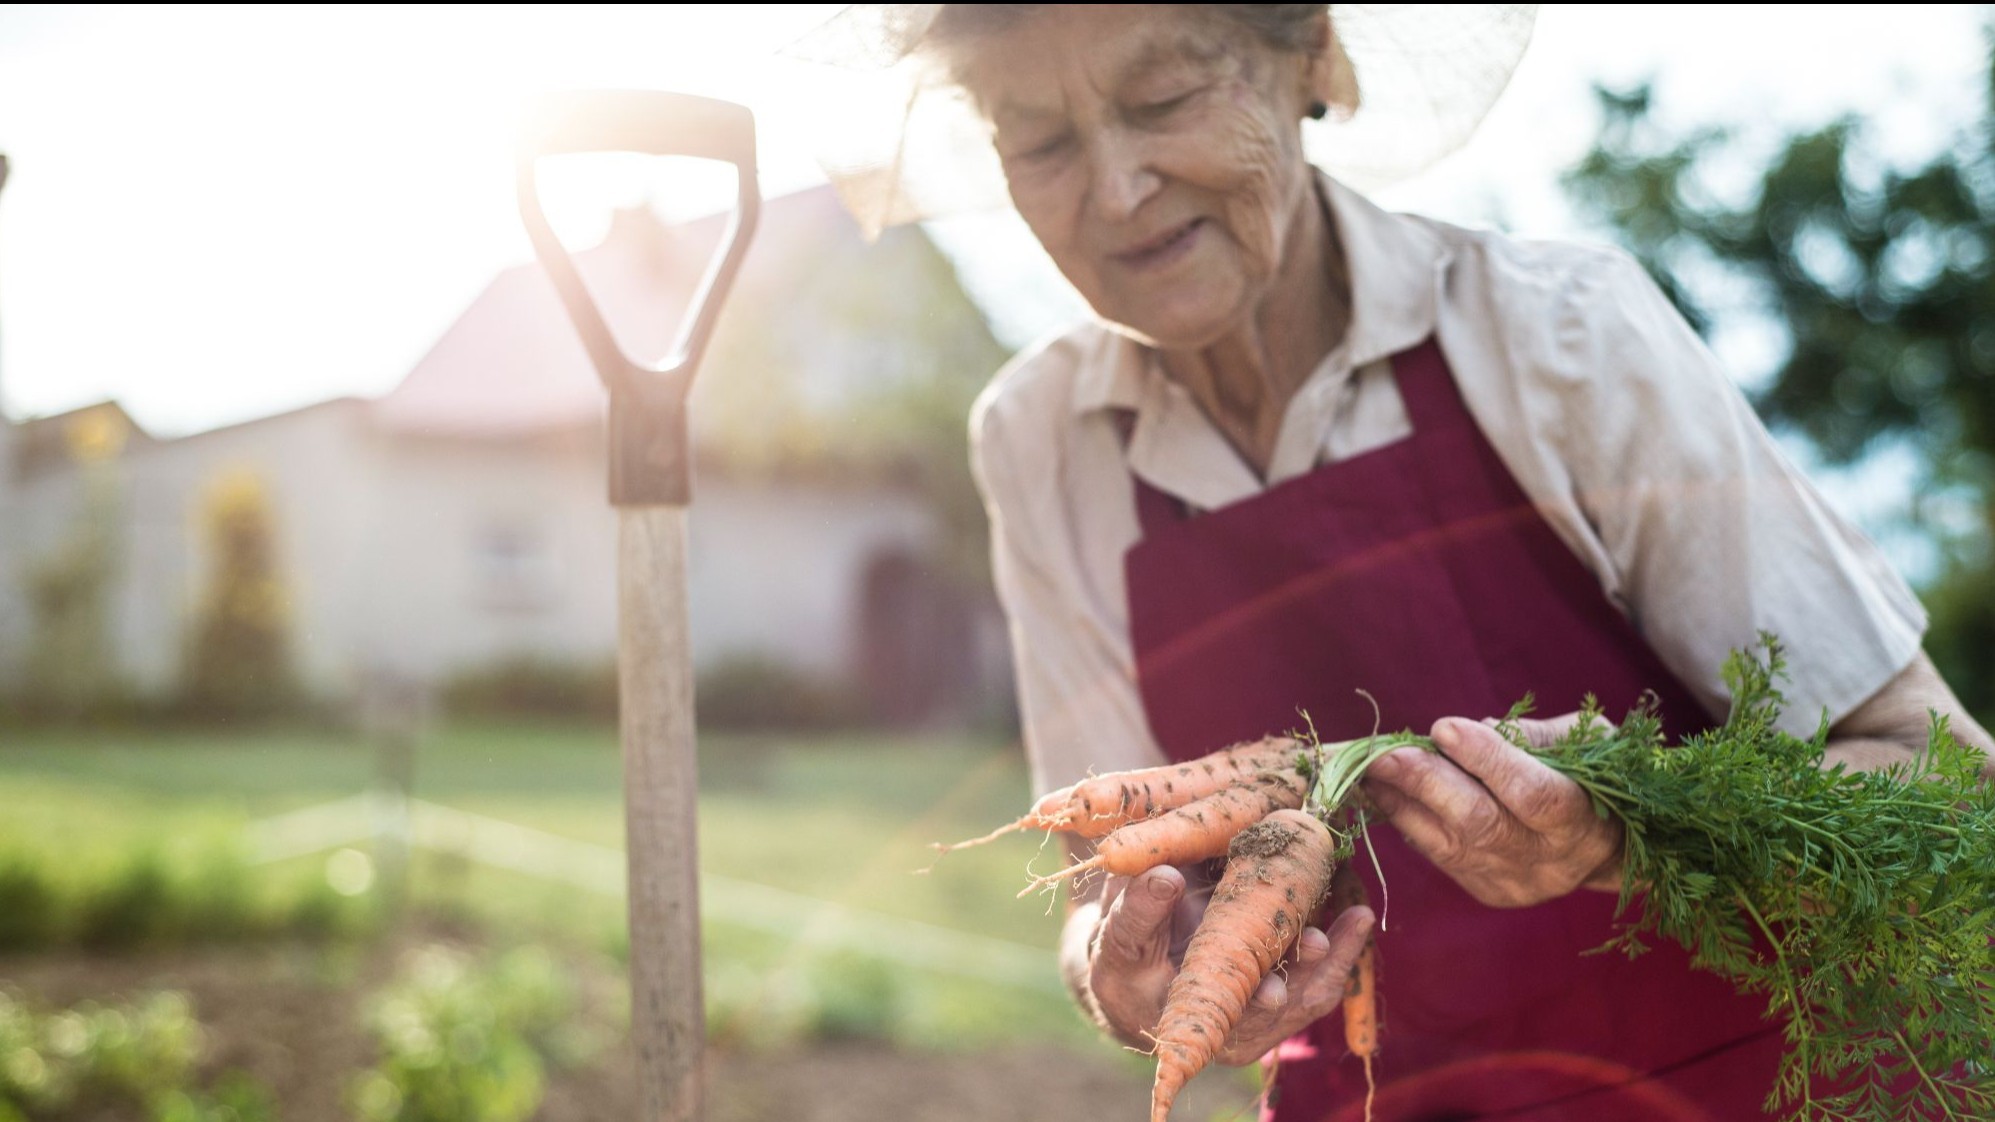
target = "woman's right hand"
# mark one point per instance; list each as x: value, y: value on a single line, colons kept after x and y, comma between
x: 1121, y: 951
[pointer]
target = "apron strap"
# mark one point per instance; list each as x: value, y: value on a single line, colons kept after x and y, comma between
x: 1155, y: 509
x: 1429, y: 392
x: 1432, y: 401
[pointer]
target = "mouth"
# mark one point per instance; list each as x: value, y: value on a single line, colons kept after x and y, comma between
x: 1162, y: 249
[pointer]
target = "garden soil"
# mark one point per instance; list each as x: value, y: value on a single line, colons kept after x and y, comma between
x: 290, y: 1018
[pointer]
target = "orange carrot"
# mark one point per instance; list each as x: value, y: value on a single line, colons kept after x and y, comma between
x: 1193, y: 832
x: 1361, y: 1015
x: 1277, y: 872
x: 1361, y: 991
x: 1097, y: 805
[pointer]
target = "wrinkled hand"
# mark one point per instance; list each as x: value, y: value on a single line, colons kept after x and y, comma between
x: 1141, y: 934
x: 1510, y: 830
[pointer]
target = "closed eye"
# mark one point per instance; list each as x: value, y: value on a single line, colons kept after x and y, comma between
x: 1156, y: 110
x: 1044, y: 150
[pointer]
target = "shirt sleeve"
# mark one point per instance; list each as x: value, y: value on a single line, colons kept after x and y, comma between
x: 1077, y: 696
x: 1712, y: 535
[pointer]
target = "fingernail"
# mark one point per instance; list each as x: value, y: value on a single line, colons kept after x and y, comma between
x: 1446, y: 734
x: 1270, y: 994
x: 1313, y: 945
x: 1162, y: 888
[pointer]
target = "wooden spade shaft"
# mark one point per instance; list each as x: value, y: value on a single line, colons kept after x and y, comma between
x: 655, y: 680
x: 650, y: 453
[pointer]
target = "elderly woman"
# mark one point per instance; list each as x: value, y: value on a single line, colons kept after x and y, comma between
x: 1311, y: 446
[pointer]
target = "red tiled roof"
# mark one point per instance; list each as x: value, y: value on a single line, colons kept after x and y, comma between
x: 512, y: 363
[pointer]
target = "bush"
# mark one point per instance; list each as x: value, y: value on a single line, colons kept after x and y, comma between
x: 820, y: 997
x: 236, y: 1098
x: 144, y: 900
x: 757, y: 693
x: 133, y: 909
x: 142, y: 1052
x: 531, y: 686
x: 28, y: 906
x: 462, y: 1039
x: 239, y: 647
x: 745, y: 693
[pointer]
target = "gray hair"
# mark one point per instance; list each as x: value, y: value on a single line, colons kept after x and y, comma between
x: 1285, y: 27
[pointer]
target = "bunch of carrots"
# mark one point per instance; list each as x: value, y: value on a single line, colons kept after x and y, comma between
x: 1266, y: 806
x: 1875, y: 891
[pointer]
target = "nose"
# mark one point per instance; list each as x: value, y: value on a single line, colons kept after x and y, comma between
x: 1121, y: 178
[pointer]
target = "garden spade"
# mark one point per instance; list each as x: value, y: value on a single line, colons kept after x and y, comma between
x: 650, y: 485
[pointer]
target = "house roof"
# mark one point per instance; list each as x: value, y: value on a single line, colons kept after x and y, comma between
x: 60, y: 440
x: 512, y: 364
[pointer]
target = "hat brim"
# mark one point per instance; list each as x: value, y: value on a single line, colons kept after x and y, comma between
x: 901, y: 144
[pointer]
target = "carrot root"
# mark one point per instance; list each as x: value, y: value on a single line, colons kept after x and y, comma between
x: 1100, y: 804
x: 1361, y: 1018
x: 1196, y: 831
x: 1051, y: 879
x: 1277, y: 872
x: 1001, y: 831
x: 1361, y: 989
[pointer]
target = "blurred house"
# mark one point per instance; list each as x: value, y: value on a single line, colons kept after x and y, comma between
x: 460, y: 521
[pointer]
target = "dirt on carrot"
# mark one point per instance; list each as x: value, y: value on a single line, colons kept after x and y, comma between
x: 1197, y: 831
x: 1101, y: 804
x: 1277, y: 874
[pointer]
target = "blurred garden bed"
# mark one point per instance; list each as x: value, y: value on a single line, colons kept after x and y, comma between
x: 293, y: 1021
x: 126, y: 873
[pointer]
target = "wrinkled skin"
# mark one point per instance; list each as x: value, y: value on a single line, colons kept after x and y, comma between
x: 1172, y: 119
x: 1156, y: 152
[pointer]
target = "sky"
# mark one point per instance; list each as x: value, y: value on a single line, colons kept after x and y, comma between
x: 219, y: 213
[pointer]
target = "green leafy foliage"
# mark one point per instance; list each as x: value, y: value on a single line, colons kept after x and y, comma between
x: 1861, y: 904
x: 71, y: 664
x: 236, y: 1098
x: 143, y: 899
x: 141, y: 1052
x: 462, y: 1039
x: 239, y: 655
x: 1882, y: 278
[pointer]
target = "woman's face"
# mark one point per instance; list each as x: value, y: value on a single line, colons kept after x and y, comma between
x: 1156, y: 152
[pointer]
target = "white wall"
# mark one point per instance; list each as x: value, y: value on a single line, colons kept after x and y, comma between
x: 318, y: 486
x: 774, y: 569
x: 777, y: 570
x: 429, y: 557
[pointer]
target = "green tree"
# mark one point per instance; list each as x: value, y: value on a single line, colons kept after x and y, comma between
x: 71, y: 666
x: 915, y: 352
x: 1882, y: 278
x: 239, y: 659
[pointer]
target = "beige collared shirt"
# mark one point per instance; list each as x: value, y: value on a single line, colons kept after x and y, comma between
x: 1612, y: 414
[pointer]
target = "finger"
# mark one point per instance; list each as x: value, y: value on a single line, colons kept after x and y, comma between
x: 1312, y: 991
x: 1421, y: 828
x: 1435, y: 782
x: 1550, y: 730
x: 1137, y: 928
x: 1523, y: 784
x: 1347, y: 936
x: 1271, y: 994
x: 1316, y: 984
x: 1313, y: 945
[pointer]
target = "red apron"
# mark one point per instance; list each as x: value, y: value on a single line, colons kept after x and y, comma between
x: 1421, y: 572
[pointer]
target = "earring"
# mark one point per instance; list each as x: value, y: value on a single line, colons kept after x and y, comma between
x: 1318, y: 110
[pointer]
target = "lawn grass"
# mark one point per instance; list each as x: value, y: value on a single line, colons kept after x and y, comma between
x: 835, y: 819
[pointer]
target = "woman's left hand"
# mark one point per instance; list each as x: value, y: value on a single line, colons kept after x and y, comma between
x: 1510, y: 830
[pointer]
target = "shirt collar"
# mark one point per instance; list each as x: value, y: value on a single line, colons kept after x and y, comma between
x: 1393, y: 263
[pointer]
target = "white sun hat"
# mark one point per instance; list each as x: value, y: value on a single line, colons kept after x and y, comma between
x: 902, y: 143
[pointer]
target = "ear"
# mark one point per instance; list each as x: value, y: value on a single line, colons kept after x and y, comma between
x: 1331, y: 78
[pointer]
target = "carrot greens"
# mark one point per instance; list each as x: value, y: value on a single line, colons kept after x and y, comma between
x: 1860, y: 904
